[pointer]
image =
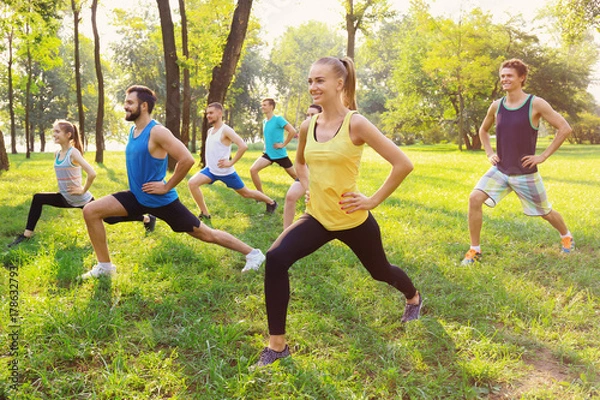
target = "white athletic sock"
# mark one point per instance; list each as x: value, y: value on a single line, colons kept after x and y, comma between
x: 568, y: 234
x: 476, y: 248
x: 105, y: 264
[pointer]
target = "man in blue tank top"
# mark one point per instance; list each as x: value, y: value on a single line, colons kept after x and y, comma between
x: 514, y: 166
x: 148, y: 147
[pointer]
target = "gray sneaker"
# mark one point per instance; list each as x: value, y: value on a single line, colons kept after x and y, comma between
x: 272, y: 207
x: 18, y: 240
x: 269, y: 356
x: 253, y: 260
x: 150, y: 225
x: 412, y: 311
x: 98, y: 271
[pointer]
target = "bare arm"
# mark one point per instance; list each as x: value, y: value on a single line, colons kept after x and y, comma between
x: 291, y: 134
x: 239, y: 142
x: 544, y: 110
x: 300, y: 165
x: 89, y: 171
x: 162, y: 143
x: 484, y: 135
x: 363, y: 131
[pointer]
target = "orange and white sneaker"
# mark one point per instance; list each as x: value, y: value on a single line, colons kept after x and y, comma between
x: 567, y: 244
x: 471, y: 257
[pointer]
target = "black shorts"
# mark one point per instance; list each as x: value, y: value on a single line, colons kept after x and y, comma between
x: 285, y: 162
x: 175, y: 214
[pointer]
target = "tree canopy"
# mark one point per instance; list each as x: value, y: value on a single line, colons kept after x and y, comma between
x: 422, y: 77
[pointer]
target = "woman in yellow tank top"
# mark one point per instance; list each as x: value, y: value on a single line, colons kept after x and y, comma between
x: 331, y: 145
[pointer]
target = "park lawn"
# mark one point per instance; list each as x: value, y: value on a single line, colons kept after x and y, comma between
x: 180, y: 321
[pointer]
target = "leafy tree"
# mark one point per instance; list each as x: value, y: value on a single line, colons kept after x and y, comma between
x: 187, y: 90
x: 100, y: 79
x: 208, y: 24
x: 7, y: 27
x: 375, y: 68
x: 138, y: 56
x: 361, y: 16
x: 290, y: 60
x: 173, y: 108
x: 222, y: 73
x: 76, y: 9
x: 575, y: 17
x: 587, y: 129
x: 40, y: 46
x: 446, y: 73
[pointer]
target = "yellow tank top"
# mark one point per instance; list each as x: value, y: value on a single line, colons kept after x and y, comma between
x: 333, y: 167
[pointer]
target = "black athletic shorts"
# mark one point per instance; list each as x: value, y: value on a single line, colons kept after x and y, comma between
x: 285, y: 162
x: 175, y: 214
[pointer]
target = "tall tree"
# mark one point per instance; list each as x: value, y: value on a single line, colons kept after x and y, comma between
x: 173, y: 109
x: 222, y: 74
x: 39, y: 47
x: 8, y: 25
x: 290, y: 61
x: 100, y: 79
x: 187, y: 91
x: 28, y: 71
x: 76, y: 8
x: 575, y: 17
x: 11, y: 96
x: 360, y: 16
x: 445, y: 76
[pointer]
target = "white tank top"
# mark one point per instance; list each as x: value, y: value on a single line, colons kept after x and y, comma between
x: 215, y: 151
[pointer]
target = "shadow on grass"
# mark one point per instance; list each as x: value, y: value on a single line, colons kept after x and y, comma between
x: 114, y: 176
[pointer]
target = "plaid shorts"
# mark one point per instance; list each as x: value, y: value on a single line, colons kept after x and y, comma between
x: 529, y: 188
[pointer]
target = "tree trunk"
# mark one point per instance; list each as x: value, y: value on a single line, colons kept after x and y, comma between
x: 194, y: 130
x: 80, y: 111
x: 464, y: 137
x: 100, y: 79
x: 461, y: 121
x: 351, y: 29
x: 42, y: 139
x: 476, y: 143
x: 173, y: 109
x: 187, y: 91
x: 28, y: 138
x: 4, y: 164
x: 222, y: 74
x: 11, y: 97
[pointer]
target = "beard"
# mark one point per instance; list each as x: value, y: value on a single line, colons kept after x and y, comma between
x: 133, y: 115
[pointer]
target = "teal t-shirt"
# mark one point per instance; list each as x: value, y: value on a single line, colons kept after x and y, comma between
x: 273, y: 132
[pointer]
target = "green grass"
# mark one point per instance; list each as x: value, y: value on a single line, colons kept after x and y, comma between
x: 180, y: 322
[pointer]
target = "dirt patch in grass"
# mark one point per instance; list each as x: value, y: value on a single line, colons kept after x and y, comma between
x: 546, y: 371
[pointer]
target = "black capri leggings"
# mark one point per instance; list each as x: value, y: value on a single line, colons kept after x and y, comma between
x: 44, y: 199
x: 58, y: 200
x: 305, y: 237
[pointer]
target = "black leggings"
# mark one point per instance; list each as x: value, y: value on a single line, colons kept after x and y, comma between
x: 305, y: 237
x: 58, y: 200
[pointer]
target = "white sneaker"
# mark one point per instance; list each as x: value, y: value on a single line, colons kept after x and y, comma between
x: 253, y: 260
x: 99, y: 270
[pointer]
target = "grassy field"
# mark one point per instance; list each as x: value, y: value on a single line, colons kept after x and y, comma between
x: 180, y: 321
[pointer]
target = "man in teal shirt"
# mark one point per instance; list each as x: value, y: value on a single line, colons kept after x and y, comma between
x: 275, y: 152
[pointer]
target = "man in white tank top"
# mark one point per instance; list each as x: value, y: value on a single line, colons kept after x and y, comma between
x: 219, y: 163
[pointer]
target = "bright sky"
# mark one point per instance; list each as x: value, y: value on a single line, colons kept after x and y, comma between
x: 276, y: 15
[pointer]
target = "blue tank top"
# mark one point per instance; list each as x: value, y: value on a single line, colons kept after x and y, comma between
x: 516, y: 137
x: 142, y: 168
